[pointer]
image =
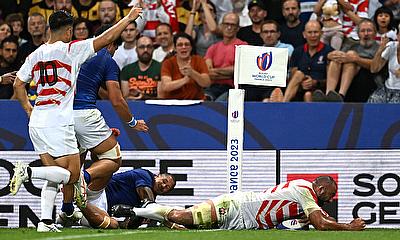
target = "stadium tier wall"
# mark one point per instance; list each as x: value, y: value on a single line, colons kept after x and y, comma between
x: 357, y: 144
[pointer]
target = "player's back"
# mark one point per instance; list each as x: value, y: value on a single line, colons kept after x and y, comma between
x: 53, y: 68
x: 266, y: 209
x: 93, y: 74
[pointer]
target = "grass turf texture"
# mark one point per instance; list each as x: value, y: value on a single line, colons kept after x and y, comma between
x: 166, y: 234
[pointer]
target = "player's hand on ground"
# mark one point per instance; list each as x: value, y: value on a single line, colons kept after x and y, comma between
x: 176, y: 226
x: 357, y: 224
x: 141, y: 126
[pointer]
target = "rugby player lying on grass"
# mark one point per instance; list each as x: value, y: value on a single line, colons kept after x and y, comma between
x: 256, y: 210
x: 129, y: 188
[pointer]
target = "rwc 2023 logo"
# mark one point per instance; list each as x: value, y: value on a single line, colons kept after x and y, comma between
x: 264, y: 61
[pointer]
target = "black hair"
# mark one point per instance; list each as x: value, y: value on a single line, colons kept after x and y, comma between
x: 104, y: 28
x: 188, y: 37
x: 325, y: 179
x: 12, y: 39
x: 298, y: 3
x: 169, y: 175
x: 59, y: 20
x: 392, y: 25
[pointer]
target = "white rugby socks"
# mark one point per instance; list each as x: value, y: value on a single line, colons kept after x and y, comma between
x: 48, y: 196
x: 154, y: 211
x: 51, y: 173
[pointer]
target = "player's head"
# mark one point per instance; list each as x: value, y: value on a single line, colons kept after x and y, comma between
x: 61, y: 23
x: 325, y: 188
x: 163, y: 183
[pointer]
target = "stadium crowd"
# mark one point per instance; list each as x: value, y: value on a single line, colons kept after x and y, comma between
x: 189, y: 49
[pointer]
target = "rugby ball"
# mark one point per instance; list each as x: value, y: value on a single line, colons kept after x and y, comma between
x: 292, y: 224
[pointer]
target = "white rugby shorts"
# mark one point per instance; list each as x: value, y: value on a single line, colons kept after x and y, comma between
x: 56, y: 141
x: 90, y: 128
x: 229, y: 214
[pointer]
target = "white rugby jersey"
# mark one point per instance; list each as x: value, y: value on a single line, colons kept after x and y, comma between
x: 54, y: 69
x: 287, y: 200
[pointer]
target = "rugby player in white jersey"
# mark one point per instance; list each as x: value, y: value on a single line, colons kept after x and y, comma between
x: 259, y: 210
x: 54, y: 67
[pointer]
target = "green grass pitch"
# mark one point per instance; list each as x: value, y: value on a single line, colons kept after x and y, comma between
x: 166, y: 234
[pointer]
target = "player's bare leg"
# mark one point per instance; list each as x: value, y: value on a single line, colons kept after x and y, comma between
x: 98, y: 218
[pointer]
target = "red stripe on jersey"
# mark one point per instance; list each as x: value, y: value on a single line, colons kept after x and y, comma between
x: 311, y: 191
x: 286, y: 185
x: 279, y: 213
x: 293, y: 209
x: 263, y: 205
x: 50, y: 78
x: 274, y: 189
x: 72, y: 42
x: 50, y: 91
x: 267, y: 216
x: 47, y: 102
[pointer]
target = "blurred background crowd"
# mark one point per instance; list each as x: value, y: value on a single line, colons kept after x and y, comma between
x: 339, y: 50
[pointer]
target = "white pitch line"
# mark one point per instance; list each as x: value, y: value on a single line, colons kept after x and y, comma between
x: 119, y: 233
x: 96, y: 235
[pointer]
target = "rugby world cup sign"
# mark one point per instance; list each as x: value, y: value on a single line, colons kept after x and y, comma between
x: 265, y: 66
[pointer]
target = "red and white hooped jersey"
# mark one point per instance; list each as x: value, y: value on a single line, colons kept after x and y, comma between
x: 54, y: 69
x: 288, y: 200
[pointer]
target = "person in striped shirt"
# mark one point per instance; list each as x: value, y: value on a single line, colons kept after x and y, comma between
x: 259, y: 210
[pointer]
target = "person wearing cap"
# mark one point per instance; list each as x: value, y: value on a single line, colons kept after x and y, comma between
x: 257, y: 14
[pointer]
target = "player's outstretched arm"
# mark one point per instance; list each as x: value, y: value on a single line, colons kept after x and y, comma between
x: 322, y: 222
x: 122, y: 108
x: 22, y: 96
x: 115, y: 31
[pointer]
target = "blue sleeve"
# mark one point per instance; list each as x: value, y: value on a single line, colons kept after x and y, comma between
x: 111, y: 70
x: 141, y: 178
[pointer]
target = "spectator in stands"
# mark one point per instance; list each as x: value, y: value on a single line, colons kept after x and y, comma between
x: 126, y: 53
x: 351, y: 18
x: 188, y: 11
x: 88, y: 9
x: 156, y: 12
x: 308, y: 65
x: 225, y: 6
x: 139, y: 80
x: 292, y: 30
x: 329, y: 14
x: 220, y: 58
x: 107, y: 12
x: 270, y: 34
x: 8, y: 64
x: 184, y: 75
x: 240, y: 8
x: 37, y: 30
x: 5, y: 30
x: 82, y: 29
x: 388, y: 52
x: 65, y: 5
x: 44, y: 8
x: 164, y: 39
x: 16, y: 21
x: 251, y: 34
x: 393, y: 5
x: 384, y: 22
x: 346, y: 64
x: 205, y: 34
